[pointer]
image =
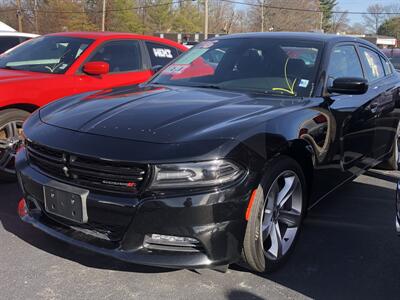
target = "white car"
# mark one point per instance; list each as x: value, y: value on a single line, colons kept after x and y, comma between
x: 10, y: 39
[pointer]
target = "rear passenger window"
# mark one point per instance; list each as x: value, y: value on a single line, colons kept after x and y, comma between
x: 374, y: 68
x: 386, y: 66
x: 160, y: 54
x: 122, y: 56
x: 344, y: 62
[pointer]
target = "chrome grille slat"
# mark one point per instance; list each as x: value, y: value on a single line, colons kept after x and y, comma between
x: 36, y: 153
x: 46, y: 161
x: 111, y: 170
x: 94, y: 174
x: 91, y: 173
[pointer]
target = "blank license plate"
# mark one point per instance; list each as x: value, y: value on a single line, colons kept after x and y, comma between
x: 66, y: 201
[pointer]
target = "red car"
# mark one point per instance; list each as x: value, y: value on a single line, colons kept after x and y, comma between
x: 58, y: 65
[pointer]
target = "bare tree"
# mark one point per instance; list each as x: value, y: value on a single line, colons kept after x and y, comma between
x: 339, y: 22
x: 283, y: 15
x: 375, y: 17
x: 223, y: 16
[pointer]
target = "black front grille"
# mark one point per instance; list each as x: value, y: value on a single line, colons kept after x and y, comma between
x: 88, y: 172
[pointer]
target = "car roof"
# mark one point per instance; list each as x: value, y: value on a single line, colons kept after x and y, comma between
x: 15, y: 33
x: 311, y: 36
x: 116, y: 35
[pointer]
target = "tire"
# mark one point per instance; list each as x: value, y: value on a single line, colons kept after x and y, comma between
x: 261, y: 252
x: 10, y: 127
x: 392, y: 164
x: 394, y: 159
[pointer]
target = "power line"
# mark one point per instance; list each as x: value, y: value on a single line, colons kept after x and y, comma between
x: 308, y: 9
x: 228, y: 1
x: 101, y: 11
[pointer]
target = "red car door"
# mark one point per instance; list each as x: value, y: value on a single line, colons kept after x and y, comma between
x: 126, y: 62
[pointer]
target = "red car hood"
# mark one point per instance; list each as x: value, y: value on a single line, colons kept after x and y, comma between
x: 8, y: 76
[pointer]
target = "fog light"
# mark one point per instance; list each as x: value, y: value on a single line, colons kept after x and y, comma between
x: 170, y: 240
x: 22, y: 208
x: 162, y: 242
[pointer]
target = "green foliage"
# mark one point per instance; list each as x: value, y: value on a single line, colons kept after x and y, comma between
x: 327, y: 7
x: 51, y: 21
x: 122, y: 16
x: 158, y: 17
x: 390, y: 27
x: 187, y: 18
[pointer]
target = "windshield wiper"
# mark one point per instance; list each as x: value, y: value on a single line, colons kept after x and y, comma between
x: 207, y: 86
x: 276, y: 93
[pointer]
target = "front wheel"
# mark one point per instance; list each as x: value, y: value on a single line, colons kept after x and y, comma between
x: 11, y: 121
x: 394, y: 160
x: 275, y: 216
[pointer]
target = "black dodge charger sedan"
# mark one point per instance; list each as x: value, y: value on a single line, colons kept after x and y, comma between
x: 217, y: 158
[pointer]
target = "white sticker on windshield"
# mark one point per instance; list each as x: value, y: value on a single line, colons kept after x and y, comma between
x: 63, y: 66
x: 303, y: 83
x: 175, y: 69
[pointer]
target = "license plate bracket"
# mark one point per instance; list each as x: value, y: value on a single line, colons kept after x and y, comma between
x: 66, y: 201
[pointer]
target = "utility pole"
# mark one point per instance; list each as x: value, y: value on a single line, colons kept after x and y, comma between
x: 19, y: 15
x: 262, y: 16
x: 143, y: 16
x: 36, y: 16
x: 103, y: 18
x: 321, y: 21
x: 205, y: 19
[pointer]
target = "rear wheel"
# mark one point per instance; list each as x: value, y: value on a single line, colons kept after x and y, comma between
x: 11, y: 121
x: 394, y: 160
x: 275, y: 216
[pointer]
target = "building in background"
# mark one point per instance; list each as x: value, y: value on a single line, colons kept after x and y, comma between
x: 382, y: 41
x: 184, y: 38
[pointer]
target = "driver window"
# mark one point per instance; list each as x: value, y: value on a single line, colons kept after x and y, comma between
x: 122, y: 56
x: 344, y: 62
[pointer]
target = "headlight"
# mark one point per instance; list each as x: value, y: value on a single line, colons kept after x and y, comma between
x: 198, y: 174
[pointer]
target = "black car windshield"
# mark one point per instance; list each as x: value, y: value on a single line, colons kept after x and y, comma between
x: 268, y: 65
x: 48, y: 54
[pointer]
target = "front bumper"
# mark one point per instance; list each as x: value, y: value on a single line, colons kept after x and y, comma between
x: 118, y: 224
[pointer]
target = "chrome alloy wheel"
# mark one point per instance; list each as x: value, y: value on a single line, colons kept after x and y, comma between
x: 10, y: 140
x: 281, y: 216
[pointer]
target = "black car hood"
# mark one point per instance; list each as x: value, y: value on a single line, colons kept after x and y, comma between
x: 165, y: 114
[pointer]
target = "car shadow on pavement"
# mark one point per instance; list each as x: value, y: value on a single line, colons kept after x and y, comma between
x: 237, y: 294
x: 9, y: 196
x: 348, y: 247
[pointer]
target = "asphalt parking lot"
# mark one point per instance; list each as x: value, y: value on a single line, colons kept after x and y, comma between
x: 348, y: 249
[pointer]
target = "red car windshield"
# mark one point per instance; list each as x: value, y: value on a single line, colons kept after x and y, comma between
x: 48, y: 54
x: 271, y: 66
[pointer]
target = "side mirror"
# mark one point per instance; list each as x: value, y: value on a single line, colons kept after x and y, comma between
x: 96, y: 68
x: 349, y: 86
x: 156, y: 69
